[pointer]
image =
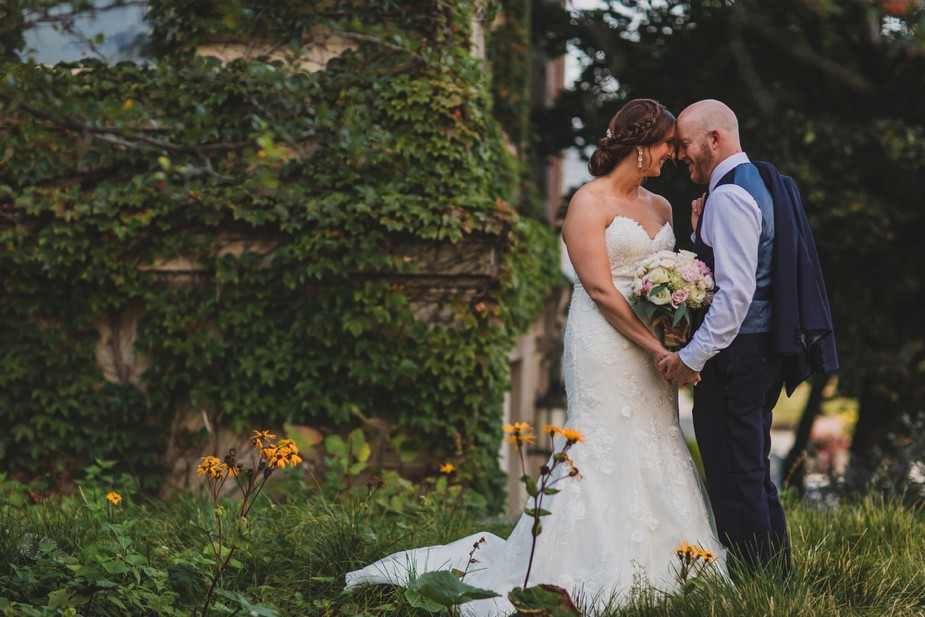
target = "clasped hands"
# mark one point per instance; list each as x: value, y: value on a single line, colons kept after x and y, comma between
x: 674, y: 370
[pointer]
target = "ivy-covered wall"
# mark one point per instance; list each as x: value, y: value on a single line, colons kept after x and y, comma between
x: 260, y: 234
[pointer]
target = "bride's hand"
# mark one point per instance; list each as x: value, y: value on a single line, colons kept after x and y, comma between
x: 696, y: 209
x: 658, y: 355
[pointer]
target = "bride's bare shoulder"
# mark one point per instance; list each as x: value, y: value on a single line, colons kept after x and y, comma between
x: 585, y: 213
x: 586, y: 200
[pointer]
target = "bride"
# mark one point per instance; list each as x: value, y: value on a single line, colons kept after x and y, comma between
x: 616, y: 529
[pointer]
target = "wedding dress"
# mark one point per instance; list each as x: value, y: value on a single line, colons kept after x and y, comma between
x: 615, y: 529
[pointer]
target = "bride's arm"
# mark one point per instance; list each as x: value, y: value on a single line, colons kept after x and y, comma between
x: 583, y: 233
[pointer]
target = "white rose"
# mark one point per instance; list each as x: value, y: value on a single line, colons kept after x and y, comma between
x: 658, y: 276
x: 667, y: 262
x: 698, y: 295
x: 686, y: 256
x: 661, y: 297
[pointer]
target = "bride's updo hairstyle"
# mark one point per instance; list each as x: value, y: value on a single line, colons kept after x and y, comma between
x: 639, y: 123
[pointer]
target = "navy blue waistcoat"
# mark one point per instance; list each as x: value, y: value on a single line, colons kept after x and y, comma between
x: 746, y: 175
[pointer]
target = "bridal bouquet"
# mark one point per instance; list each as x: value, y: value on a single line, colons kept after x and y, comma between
x: 668, y: 286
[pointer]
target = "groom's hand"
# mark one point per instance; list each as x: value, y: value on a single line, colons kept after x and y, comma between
x: 673, y: 368
x: 696, y: 210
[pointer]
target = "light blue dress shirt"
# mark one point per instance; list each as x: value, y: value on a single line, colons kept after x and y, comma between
x: 731, y: 225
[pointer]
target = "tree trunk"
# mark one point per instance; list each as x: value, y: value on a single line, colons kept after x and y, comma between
x: 877, y: 414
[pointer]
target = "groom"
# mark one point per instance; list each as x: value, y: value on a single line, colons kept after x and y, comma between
x: 769, y: 324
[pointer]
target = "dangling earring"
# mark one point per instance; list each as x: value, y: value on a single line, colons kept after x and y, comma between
x: 639, y: 160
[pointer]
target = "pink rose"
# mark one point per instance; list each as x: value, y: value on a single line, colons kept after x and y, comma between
x: 690, y: 274
x: 678, y: 297
x: 646, y: 285
x: 703, y: 267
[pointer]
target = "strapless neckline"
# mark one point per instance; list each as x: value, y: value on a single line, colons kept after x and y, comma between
x: 637, y: 224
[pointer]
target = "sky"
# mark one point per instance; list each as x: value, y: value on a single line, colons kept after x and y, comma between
x: 121, y: 27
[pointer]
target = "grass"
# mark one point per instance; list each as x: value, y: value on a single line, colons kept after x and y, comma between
x: 863, y: 558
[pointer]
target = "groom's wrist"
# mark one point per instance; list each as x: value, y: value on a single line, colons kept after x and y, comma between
x: 690, y: 358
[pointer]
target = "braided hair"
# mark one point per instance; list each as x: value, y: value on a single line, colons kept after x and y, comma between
x: 639, y: 123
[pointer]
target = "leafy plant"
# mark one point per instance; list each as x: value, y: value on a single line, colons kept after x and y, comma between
x: 305, y: 207
x: 521, y: 434
x: 268, y: 456
x: 442, y: 590
x: 693, y: 564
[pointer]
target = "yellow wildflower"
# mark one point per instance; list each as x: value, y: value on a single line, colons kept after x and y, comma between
x: 518, y: 427
x: 282, y: 454
x: 521, y: 433
x: 288, y: 443
x: 571, y: 435
x: 289, y: 458
x: 113, y: 497
x: 552, y: 430
x: 517, y: 439
x: 259, y: 437
x: 209, y: 467
x: 447, y: 468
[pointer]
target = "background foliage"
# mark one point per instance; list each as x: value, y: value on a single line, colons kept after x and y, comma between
x: 832, y: 93
x: 328, y: 178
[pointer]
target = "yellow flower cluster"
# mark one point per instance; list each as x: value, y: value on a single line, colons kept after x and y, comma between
x: 520, y: 434
x: 690, y: 554
x: 447, y: 468
x: 211, y: 467
x: 283, y: 453
x: 114, y: 498
x: 272, y: 456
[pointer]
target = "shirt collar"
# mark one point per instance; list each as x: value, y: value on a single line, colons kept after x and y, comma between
x: 725, y: 165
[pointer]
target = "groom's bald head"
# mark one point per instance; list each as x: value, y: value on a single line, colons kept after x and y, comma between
x: 709, y: 133
x: 712, y: 115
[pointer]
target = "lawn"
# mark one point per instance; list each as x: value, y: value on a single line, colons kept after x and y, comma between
x: 84, y: 555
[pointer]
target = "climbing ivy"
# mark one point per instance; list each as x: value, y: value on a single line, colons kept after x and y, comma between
x: 112, y: 175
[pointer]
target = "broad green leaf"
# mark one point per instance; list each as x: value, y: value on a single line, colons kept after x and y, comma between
x: 680, y: 313
x: 444, y: 588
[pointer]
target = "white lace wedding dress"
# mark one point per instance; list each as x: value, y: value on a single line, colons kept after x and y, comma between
x: 616, y: 528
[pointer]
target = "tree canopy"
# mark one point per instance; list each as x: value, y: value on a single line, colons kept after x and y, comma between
x: 831, y: 92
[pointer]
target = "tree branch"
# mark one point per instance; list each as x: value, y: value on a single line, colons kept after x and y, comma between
x: 850, y: 78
